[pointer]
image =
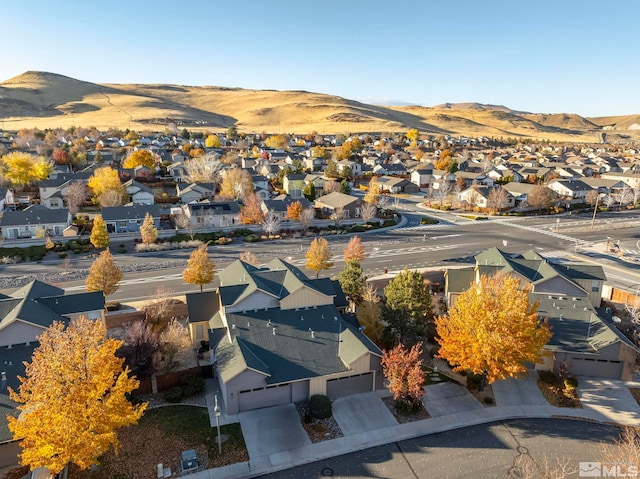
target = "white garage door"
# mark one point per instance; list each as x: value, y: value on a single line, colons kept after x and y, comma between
x: 264, y: 397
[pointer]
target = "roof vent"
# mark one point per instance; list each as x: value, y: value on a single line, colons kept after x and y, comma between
x: 315, y: 307
x: 560, y: 318
x: 585, y: 308
x: 233, y: 326
x: 4, y: 375
x: 335, y: 318
x: 323, y: 316
x: 301, y: 318
x: 297, y: 309
x: 9, y: 347
x: 248, y: 324
x: 255, y: 310
x: 269, y: 323
x: 273, y: 331
x: 312, y: 335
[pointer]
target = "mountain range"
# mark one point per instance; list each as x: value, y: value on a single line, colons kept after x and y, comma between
x: 49, y: 100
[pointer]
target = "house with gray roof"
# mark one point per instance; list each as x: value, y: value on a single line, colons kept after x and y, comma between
x: 128, y: 219
x: 24, y: 315
x: 212, y: 214
x: 328, y: 204
x: 569, y: 296
x: 34, y: 221
x: 277, y: 336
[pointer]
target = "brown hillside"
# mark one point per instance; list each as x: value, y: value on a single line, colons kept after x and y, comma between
x: 48, y: 100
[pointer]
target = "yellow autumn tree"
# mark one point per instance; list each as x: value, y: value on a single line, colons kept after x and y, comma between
x: 140, y: 158
x: 148, y: 230
x: 319, y: 256
x: 412, y: 134
x: 99, y: 236
x: 373, y: 191
x: 22, y: 169
x: 492, y: 329
x: 200, y: 269
x: 369, y: 313
x: 104, y: 274
x: 212, y: 141
x: 236, y: 183
x: 73, y: 397
x: 104, y: 180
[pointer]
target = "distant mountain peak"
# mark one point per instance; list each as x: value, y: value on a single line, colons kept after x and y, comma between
x: 477, y: 106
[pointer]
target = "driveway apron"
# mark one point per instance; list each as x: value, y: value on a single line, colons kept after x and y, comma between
x: 362, y: 413
x: 448, y: 398
x: 612, y: 399
x: 523, y: 391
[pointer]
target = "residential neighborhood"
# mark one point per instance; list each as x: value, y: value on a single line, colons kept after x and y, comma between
x: 262, y: 333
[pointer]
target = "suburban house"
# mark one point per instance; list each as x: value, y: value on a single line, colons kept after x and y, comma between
x: 140, y: 194
x: 572, y: 191
x: 422, y: 176
x: 393, y: 184
x: 481, y: 196
x: 279, y: 204
x: 328, y: 204
x: 629, y: 177
x: 128, y: 219
x: 195, y: 192
x: 214, y: 214
x: 277, y: 337
x: 34, y: 221
x: 570, y: 296
x: 293, y: 184
x: 24, y: 315
x: 520, y: 191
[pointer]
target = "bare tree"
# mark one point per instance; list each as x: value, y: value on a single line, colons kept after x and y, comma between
x: 625, y: 196
x: 633, y: 310
x: 497, y: 199
x: 625, y: 451
x: 306, y: 217
x: 159, y: 308
x: 592, y: 197
x: 183, y: 222
x: 636, y: 195
x: 271, y: 223
x: 383, y: 202
x: 176, y: 345
x: 368, y: 211
x: 443, y: 192
x: 542, y: 197
x: 203, y: 169
x: 76, y: 194
x: 525, y: 467
x: 111, y: 198
x: 139, y: 348
x: 249, y: 257
x: 337, y: 215
x: 330, y: 187
x: 609, y: 200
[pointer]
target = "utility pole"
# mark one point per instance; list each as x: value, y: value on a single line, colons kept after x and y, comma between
x: 595, y: 210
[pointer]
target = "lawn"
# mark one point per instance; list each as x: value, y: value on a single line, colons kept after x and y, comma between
x: 160, y: 437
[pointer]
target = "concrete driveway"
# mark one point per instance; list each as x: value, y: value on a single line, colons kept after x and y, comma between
x: 272, y: 430
x: 362, y: 413
x: 448, y: 398
x: 612, y: 399
x: 519, y: 392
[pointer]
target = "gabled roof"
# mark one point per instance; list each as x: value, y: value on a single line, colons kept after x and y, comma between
x: 336, y: 199
x: 307, y: 343
x: 35, y: 215
x: 118, y: 213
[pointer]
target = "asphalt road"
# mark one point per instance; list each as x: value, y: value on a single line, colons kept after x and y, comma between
x: 510, y: 449
x: 413, y: 246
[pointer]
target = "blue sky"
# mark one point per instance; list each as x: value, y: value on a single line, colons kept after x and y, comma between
x: 532, y: 55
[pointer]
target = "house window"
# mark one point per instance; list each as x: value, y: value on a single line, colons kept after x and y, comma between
x: 595, y: 287
x: 122, y: 224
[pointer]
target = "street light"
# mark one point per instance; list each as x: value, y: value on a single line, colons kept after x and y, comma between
x: 217, y: 412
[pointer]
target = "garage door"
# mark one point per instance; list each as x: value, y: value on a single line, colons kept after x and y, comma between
x: 345, y: 386
x: 600, y: 368
x: 264, y: 397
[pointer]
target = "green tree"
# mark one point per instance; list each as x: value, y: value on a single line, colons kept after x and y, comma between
x: 309, y: 191
x: 232, y: 132
x: 492, y: 329
x: 104, y: 274
x: 408, y: 306
x: 99, y: 236
x: 319, y: 256
x: 148, y: 230
x: 352, y: 280
x: 73, y: 397
x: 332, y: 170
x: 345, y: 188
x: 200, y: 269
x: 184, y: 134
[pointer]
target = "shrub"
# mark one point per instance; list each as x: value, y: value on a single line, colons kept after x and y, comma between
x: 173, y: 395
x: 62, y: 255
x: 357, y: 229
x: 570, y: 383
x: 242, y: 232
x: 192, y: 385
x: 402, y: 406
x: 113, y: 306
x: 388, y: 223
x: 473, y: 380
x: 223, y: 241
x: 429, y: 221
x: 488, y: 400
x: 252, y: 238
x: 548, y: 377
x: 121, y: 250
x: 320, y: 406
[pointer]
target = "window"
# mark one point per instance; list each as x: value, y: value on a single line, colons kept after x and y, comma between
x: 595, y: 286
x: 122, y: 224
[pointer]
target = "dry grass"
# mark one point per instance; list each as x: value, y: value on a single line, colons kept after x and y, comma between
x: 556, y: 393
x: 73, y: 102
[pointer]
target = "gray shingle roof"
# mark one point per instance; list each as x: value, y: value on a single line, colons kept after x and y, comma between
x: 35, y: 215
x: 118, y: 213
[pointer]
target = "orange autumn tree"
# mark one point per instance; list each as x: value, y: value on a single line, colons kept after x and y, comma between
x: 251, y: 213
x: 492, y: 329
x: 402, y: 368
x: 354, y: 250
x: 73, y: 397
x: 294, y: 210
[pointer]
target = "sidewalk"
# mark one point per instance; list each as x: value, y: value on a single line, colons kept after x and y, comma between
x: 450, y: 400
